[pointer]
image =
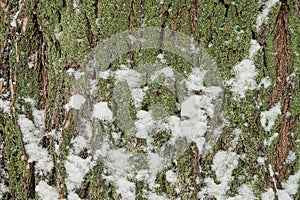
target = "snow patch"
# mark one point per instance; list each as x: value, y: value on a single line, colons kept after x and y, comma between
x: 263, y: 15
x: 130, y: 76
x: 45, y: 191
x: 144, y: 124
x: 291, y: 185
x: 224, y: 163
x: 269, y: 194
x: 245, y: 192
x: 166, y: 72
x: 102, y: 111
x: 76, y: 168
x: 283, y: 195
x: 267, y: 118
x: 254, y: 47
x: 14, y: 18
x: 266, y: 82
x: 171, y: 177
x: 104, y: 74
x: 291, y: 157
x: 3, y: 189
x: 76, y: 101
x: 32, y: 135
x: 245, y: 72
x: 5, y: 105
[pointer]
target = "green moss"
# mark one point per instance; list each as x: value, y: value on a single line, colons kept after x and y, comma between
x: 160, y: 96
x: 139, y: 187
x: 154, y: 14
x: 113, y: 17
x: 227, y: 28
x: 105, y: 88
x: 164, y: 186
x: 294, y: 29
x: 95, y: 187
x: 187, y: 171
x: 161, y: 137
x: 4, y: 19
x: 13, y: 150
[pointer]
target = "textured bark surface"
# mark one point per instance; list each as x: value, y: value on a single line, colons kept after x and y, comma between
x: 50, y: 37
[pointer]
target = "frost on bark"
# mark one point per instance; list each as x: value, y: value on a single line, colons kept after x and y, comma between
x: 44, y: 45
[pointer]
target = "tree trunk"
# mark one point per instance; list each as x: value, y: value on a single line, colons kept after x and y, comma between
x: 254, y: 143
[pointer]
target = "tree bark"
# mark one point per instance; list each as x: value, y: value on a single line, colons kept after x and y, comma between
x: 41, y: 40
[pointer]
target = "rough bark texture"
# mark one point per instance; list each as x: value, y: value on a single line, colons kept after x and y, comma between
x: 34, y: 58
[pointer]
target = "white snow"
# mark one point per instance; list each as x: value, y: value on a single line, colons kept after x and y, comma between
x: 154, y: 196
x: 263, y: 15
x: 76, y: 101
x: 254, y: 47
x: 269, y: 141
x: 130, y: 76
x: 45, y: 191
x: 245, y: 192
x: 155, y: 164
x: 70, y: 71
x: 161, y: 58
x: 291, y: 157
x: 144, y: 124
x: 266, y: 82
x: 73, y: 196
x: 132, y: 39
x: 102, y: 111
x: 138, y: 96
x: 104, y: 74
x: 76, y: 6
x: 245, y: 72
x: 3, y: 189
x: 237, y: 132
x: 118, y: 166
x: 291, y: 185
x: 76, y: 73
x: 166, y: 71
x: 5, y: 105
x: 197, y: 117
x: 261, y: 160
x: 267, y: 118
x: 76, y: 169
x: 126, y: 189
x: 195, y: 80
x: 283, y: 195
x: 223, y: 164
x: 58, y: 34
x: 268, y: 195
x: 171, y: 176
x: 14, y: 18
x: 32, y: 135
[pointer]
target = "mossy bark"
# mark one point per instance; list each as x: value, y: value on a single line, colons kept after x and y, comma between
x: 51, y: 37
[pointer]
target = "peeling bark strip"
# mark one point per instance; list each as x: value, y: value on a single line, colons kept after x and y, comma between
x: 282, y: 89
x: 42, y: 74
x: 194, y: 17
